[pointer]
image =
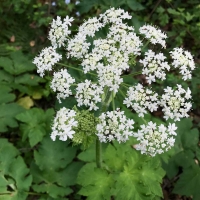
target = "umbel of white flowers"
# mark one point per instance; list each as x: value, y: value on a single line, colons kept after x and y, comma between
x: 107, y: 59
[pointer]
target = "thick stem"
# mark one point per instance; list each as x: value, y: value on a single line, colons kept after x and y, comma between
x: 98, y: 153
x: 106, y: 100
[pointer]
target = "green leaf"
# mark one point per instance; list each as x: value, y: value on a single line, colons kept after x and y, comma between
x: 187, y: 138
x: 189, y: 183
x: 28, y: 79
x: 14, y: 175
x: 54, y: 155
x: 140, y: 178
x: 97, y: 183
x: 7, y: 116
x: 134, y: 5
x: 107, y: 4
x: 85, y: 5
x: 126, y: 174
x: 17, y: 64
x: 5, y: 95
x: 36, y: 124
x: 54, y: 171
x: 5, y: 76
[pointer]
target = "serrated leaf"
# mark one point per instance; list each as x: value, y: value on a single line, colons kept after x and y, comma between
x: 112, y: 3
x: 14, y: 173
x: 6, y: 96
x: 55, y: 183
x: 17, y: 63
x: 86, y: 5
x: 7, y: 116
x: 28, y: 79
x: 144, y: 174
x: 5, y: 76
x: 36, y: 123
x: 96, y: 182
x: 189, y: 183
x: 134, y: 5
x: 54, y: 155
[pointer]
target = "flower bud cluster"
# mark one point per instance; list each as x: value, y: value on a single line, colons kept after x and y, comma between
x: 63, y: 124
x: 154, y: 139
x: 114, y: 125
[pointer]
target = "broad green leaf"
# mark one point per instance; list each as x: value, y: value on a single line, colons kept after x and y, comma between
x: 28, y: 79
x: 54, y: 155
x: 134, y: 5
x: 86, y: 5
x: 6, y: 96
x: 36, y: 124
x: 143, y: 176
x: 7, y: 116
x: 129, y: 174
x: 14, y: 173
x: 5, y: 76
x: 189, y: 183
x: 55, y: 183
x: 17, y: 64
x: 97, y: 183
x: 112, y: 3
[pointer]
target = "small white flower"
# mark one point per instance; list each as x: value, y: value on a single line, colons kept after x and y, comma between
x: 155, y: 139
x: 174, y: 103
x: 88, y: 94
x: 59, y: 31
x: 154, y: 35
x: 184, y: 61
x: 154, y: 66
x: 114, y: 125
x: 141, y: 99
x: 63, y: 124
x: 45, y: 61
x: 77, y: 47
x: 61, y: 83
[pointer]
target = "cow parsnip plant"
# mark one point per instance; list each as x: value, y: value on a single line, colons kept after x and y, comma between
x: 104, y: 61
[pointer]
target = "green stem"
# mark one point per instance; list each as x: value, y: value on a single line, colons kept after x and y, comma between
x: 75, y: 68
x: 98, y: 153
x: 106, y: 100
x: 113, y: 101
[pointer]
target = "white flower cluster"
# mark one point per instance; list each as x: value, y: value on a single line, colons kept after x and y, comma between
x: 154, y: 35
x: 88, y: 94
x: 114, y: 125
x: 154, y: 66
x: 184, y: 61
x: 59, y: 31
x: 175, y: 104
x: 141, y: 99
x: 63, y: 124
x: 47, y: 58
x: 107, y: 58
x: 61, y: 83
x: 155, y: 139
